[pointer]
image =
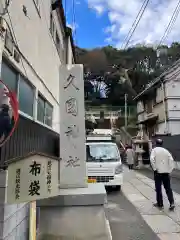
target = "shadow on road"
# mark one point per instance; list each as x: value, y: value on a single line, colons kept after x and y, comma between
x: 125, y: 221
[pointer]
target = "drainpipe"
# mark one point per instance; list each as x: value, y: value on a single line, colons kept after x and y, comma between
x: 164, y: 106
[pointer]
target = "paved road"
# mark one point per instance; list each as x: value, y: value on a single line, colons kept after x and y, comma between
x: 174, y: 181
x: 126, y: 222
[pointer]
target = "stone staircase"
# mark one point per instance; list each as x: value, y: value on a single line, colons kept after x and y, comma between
x: 127, y: 134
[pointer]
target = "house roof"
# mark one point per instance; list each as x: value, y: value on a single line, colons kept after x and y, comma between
x: 158, y: 79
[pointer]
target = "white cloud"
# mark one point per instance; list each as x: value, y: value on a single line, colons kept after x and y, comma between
x: 73, y: 26
x: 98, y: 8
x: 108, y: 40
x: 122, y: 14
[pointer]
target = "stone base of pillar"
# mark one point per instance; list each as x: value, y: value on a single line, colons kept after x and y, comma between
x: 75, y: 214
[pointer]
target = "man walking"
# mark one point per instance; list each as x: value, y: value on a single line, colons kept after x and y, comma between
x: 162, y: 163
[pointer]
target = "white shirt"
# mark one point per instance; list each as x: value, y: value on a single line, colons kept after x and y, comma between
x: 161, y: 160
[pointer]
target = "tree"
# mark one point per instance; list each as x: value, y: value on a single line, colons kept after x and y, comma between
x: 137, y: 65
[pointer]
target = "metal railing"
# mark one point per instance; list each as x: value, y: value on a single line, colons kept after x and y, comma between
x: 29, y: 137
x: 118, y: 111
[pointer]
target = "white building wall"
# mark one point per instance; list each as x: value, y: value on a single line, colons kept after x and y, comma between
x: 38, y: 47
x: 174, y: 127
x: 161, y: 128
x: 159, y: 95
x: 173, y: 105
x: 172, y: 88
x: 173, y: 109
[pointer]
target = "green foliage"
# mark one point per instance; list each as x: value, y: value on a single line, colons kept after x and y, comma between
x: 141, y: 63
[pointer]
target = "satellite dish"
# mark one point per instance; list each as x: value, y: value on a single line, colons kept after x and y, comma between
x: 8, y: 113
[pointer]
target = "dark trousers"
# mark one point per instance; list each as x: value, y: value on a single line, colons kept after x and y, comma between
x: 130, y: 166
x: 163, y: 178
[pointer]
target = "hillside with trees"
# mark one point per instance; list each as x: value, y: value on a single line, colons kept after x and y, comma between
x: 107, y: 68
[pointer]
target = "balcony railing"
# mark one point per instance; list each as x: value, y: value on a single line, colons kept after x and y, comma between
x: 115, y: 111
x: 29, y: 137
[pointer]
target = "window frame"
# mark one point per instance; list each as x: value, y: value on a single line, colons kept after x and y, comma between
x: 34, y: 93
x: 18, y: 76
x: 14, y: 70
x: 46, y: 102
x: 40, y: 96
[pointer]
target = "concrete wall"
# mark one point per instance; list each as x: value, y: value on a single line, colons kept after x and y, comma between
x: 14, y: 219
x: 172, y: 144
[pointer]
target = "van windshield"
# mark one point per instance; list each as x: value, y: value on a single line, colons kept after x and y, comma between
x: 102, y: 153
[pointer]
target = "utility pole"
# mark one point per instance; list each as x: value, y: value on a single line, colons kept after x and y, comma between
x: 125, y: 105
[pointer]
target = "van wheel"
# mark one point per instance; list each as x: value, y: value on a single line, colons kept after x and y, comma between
x: 118, y: 188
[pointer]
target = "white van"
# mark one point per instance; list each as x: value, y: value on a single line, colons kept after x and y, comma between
x: 103, y: 161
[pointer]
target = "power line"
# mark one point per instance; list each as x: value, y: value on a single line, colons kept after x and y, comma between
x: 171, y: 23
x: 136, y: 22
x: 74, y: 21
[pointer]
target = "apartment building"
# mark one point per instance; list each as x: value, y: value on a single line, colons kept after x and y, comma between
x: 34, y: 42
x: 158, y: 106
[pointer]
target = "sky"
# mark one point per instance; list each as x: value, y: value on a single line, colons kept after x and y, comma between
x: 106, y: 22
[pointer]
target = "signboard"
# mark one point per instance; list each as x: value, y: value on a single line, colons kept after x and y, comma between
x: 72, y: 127
x: 32, y: 178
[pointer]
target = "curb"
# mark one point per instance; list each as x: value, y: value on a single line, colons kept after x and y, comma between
x: 174, y: 174
x: 109, y: 230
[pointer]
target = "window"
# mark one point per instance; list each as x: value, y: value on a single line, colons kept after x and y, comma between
x: 44, y: 111
x: 48, y: 115
x: 9, y: 76
x: 26, y: 96
x: 15, y: 81
x: 41, y: 109
x: 102, y: 153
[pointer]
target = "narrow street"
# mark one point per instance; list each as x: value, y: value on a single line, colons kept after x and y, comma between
x: 125, y: 221
x: 175, y: 182
x: 131, y: 213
